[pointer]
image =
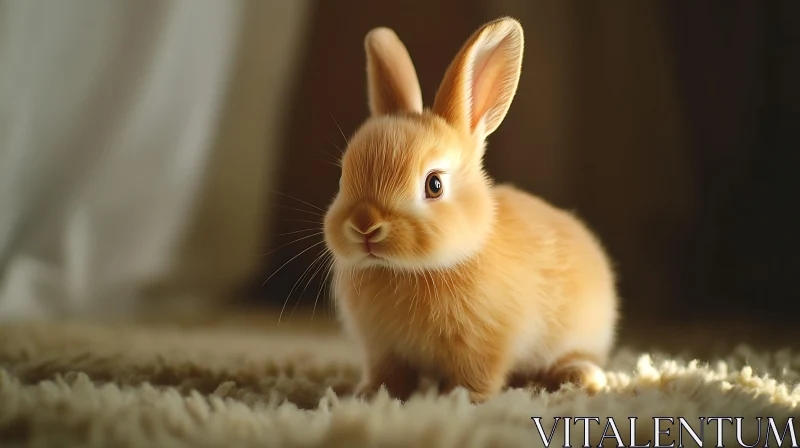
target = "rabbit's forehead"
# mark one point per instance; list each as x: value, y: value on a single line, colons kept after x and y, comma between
x: 405, y: 146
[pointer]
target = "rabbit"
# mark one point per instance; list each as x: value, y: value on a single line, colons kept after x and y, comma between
x: 439, y: 273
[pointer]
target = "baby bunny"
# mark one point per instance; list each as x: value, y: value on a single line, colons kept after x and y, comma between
x: 439, y: 273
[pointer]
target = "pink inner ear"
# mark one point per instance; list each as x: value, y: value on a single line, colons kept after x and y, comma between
x: 486, y: 84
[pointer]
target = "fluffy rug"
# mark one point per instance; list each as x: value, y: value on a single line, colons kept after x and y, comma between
x: 252, y: 384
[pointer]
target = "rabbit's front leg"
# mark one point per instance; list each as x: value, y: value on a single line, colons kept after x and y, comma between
x: 483, y: 374
x: 398, y: 376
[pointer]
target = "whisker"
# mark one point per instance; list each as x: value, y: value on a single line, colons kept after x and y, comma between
x: 323, y: 257
x: 327, y: 153
x: 297, y: 199
x: 297, y: 231
x: 361, y: 281
x: 378, y: 293
x: 337, y: 279
x: 290, y: 260
x: 319, y: 268
x: 299, y: 210
x: 288, y: 296
x: 340, y: 128
x: 307, y: 221
x: 337, y: 165
x: 322, y: 285
x: 292, y: 242
x: 335, y: 146
x: 427, y: 283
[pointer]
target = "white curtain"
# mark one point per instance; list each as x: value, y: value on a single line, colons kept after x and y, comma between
x: 137, y: 142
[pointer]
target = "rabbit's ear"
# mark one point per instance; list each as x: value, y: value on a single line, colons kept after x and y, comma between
x: 391, y: 79
x: 480, y: 83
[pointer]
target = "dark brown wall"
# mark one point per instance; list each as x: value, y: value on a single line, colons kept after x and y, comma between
x: 739, y: 66
x: 671, y: 128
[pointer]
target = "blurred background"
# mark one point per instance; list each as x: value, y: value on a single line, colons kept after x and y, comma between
x: 165, y: 156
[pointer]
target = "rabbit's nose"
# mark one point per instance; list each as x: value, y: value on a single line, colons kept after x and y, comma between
x: 372, y: 234
x: 366, y: 221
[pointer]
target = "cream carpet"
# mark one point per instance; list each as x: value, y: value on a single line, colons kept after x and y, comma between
x: 242, y: 383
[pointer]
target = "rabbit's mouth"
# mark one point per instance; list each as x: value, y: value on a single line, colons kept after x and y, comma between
x: 370, y: 255
x: 370, y: 259
x: 369, y: 249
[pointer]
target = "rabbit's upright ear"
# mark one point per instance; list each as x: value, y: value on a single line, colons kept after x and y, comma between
x: 480, y: 83
x: 392, y: 82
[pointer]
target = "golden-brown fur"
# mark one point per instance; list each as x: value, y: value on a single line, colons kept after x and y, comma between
x: 484, y: 285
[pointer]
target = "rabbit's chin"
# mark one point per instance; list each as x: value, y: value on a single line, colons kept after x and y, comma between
x: 361, y: 260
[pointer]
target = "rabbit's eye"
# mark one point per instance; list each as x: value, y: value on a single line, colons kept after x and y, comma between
x: 433, y: 186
